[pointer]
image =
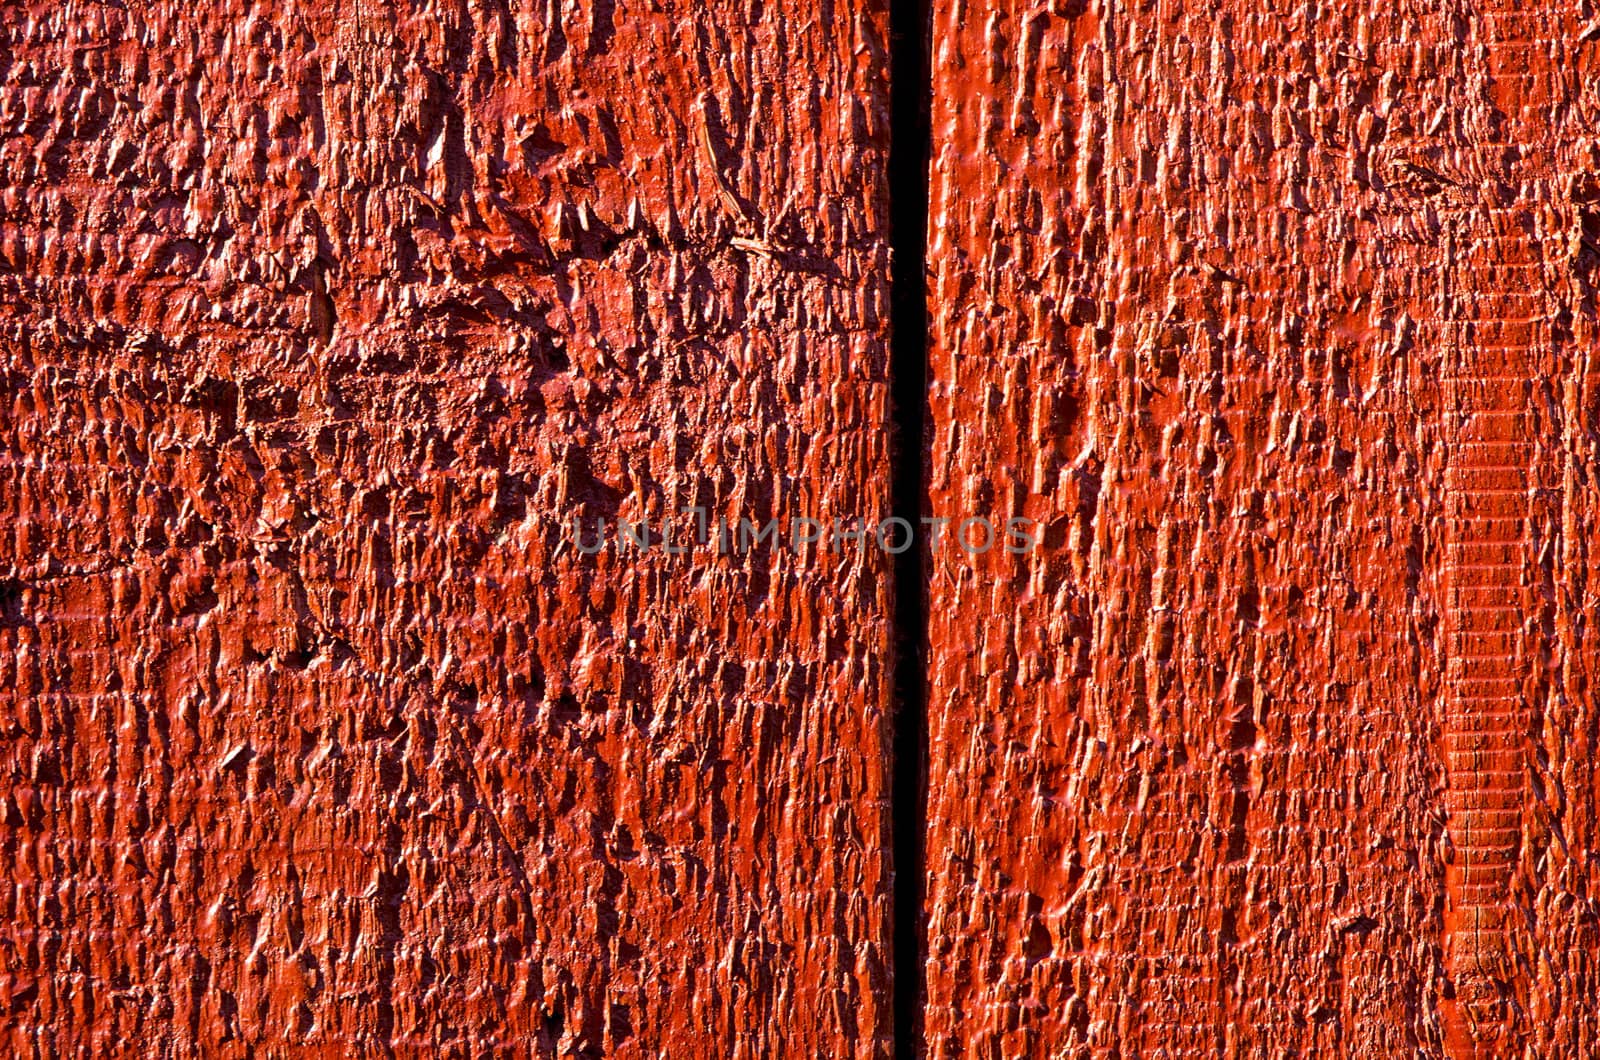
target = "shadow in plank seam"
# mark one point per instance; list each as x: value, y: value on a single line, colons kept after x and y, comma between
x: 910, y: 89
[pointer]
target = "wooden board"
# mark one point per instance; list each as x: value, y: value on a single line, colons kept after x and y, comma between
x: 319, y: 324
x: 1281, y: 320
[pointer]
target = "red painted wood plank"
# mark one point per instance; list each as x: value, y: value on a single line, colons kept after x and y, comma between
x: 1279, y: 319
x: 319, y: 324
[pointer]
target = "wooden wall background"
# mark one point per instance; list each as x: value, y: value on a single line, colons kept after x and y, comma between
x: 320, y: 735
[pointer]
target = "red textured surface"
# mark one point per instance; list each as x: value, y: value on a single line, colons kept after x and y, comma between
x: 318, y: 323
x: 1282, y: 320
x: 320, y: 736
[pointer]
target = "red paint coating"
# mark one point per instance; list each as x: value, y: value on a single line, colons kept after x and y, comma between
x: 318, y: 322
x: 319, y: 736
x: 1282, y: 319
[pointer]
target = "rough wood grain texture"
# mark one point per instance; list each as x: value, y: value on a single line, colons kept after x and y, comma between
x: 319, y: 322
x: 1282, y: 319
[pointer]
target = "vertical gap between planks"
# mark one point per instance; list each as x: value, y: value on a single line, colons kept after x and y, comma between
x: 910, y: 138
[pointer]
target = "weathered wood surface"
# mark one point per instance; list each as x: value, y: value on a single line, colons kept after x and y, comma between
x: 1281, y: 318
x: 322, y: 735
x: 318, y: 324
